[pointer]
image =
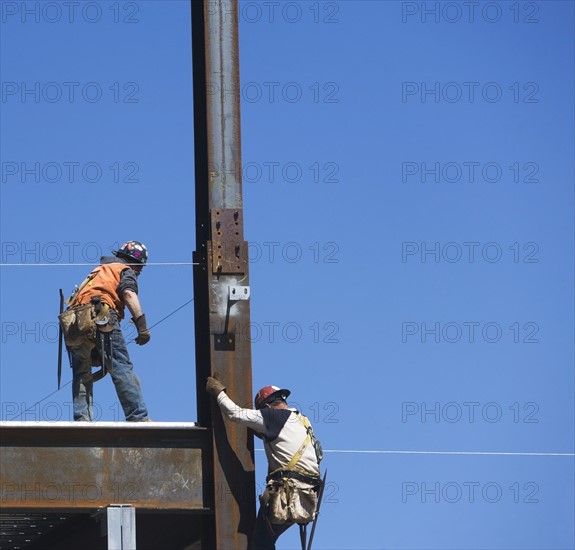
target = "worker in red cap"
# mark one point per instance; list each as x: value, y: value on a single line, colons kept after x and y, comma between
x: 293, y: 454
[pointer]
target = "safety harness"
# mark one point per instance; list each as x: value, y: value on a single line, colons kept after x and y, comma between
x: 281, y: 475
x: 299, y: 453
x: 290, y: 469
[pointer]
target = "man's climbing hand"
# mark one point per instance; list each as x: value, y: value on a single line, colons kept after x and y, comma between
x: 213, y: 386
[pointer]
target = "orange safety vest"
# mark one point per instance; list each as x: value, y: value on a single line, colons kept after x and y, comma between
x: 103, y: 281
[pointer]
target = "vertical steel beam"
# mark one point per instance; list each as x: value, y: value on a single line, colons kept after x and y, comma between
x: 121, y: 526
x: 222, y: 326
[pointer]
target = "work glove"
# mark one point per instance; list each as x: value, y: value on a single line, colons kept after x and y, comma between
x: 213, y: 386
x: 144, y: 334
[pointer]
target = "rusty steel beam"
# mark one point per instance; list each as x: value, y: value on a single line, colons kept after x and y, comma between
x: 221, y: 323
x: 84, y: 466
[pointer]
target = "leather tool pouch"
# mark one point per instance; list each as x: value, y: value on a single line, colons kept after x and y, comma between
x: 289, y: 500
x: 78, y: 325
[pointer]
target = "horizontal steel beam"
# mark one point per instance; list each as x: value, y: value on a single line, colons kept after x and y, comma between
x: 66, y: 465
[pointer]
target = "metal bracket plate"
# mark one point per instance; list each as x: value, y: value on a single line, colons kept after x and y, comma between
x: 238, y: 293
x: 229, y: 250
x: 225, y: 342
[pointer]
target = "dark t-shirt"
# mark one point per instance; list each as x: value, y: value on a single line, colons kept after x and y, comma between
x: 274, y: 420
x: 128, y: 279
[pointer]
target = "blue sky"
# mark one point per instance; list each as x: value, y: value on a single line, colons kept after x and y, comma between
x: 408, y: 195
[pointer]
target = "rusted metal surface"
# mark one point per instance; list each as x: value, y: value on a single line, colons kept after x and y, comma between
x: 82, y: 466
x: 219, y: 346
x: 228, y: 248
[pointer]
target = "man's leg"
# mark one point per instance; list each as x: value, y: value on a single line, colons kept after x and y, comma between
x: 82, y: 385
x: 265, y: 533
x: 125, y: 380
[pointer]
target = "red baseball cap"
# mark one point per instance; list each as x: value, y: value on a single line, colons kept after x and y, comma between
x: 268, y: 394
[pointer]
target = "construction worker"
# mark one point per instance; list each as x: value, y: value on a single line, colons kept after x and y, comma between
x: 293, y: 455
x: 109, y: 288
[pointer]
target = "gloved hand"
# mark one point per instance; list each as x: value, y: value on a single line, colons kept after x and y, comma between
x: 144, y: 334
x: 213, y: 386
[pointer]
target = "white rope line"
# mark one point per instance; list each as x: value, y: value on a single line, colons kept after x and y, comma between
x: 361, y: 451
x: 94, y: 264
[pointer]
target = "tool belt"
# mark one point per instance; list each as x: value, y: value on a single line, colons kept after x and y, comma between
x: 291, y: 498
x: 80, y: 323
x: 290, y: 474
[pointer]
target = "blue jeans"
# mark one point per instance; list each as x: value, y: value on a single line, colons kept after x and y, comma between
x: 122, y: 373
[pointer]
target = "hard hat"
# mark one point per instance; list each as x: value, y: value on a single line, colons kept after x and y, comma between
x: 133, y: 251
x: 269, y: 394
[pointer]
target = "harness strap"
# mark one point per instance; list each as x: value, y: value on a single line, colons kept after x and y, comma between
x: 296, y: 458
x: 70, y: 301
x: 281, y: 474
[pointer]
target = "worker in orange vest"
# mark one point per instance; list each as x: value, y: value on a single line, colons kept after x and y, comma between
x: 108, y: 289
